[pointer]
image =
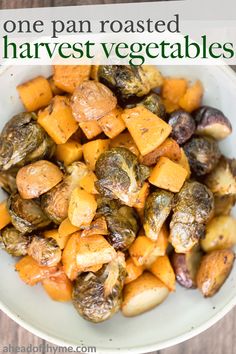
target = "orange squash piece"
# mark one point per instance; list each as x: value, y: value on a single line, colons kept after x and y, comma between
x: 87, y: 183
x: 97, y: 227
x: 191, y: 100
x: 61, y: 240
x: 69, y: 257
x: 68, y: 77
x: 59, y: 287
x: 90, y: 128
x: 142, y: 196
x: 147, y: 130
x: 35, y: 93
x: 57, y: 120
x: 168, y: 175
x: 125, y: 140
x: 163, y: 270
x: 133, y: 271
x: 82, y: 207
x: 160, y: 246
x: 140, y: 249
x: 93, y: 149
x: 31, y: 272
x: 112, y: 124
x: 66, y: 228
x: 173, y: 89
x: 5, y: 218
x: 69, y: 152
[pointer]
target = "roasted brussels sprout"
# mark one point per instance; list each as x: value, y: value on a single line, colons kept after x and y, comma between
x: 8, y: 181
x: 120, y: 176
x: 153, y: 103
x: 23, y: 140
x: 203, y: 154
x: 186, y: 266
x: 194, y: 206
x: 129, y: 81
x: 55, y: 202
x: 214, y: 269
x: 212, y: 122
x: 98, y: 296
x: 26, y: 215
x: 157, y: 208
x: 222, y: 180
x: 45, y: 251
x: 122, y: 223
x: 14, y: 242
x: 183, y: 126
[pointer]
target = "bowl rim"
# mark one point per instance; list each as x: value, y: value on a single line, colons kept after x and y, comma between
x: 143, y: 348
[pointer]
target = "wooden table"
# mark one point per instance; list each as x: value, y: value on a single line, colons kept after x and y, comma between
x: 220, y: 339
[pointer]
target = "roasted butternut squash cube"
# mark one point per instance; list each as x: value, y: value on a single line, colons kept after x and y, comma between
x: 66, y: 228
x: 90, y: 128
x: 68, y: 77
x: 125, y: 140
x: 59, y: 288
x: 87, y: 183
x: 35, y: 93
x: 191, y: 100
x: 168, y: 175
x: 140, y: 249
x: 160, y: 246
x: 173, y: 89
x: 69, y: 257
x: 142, y: 196
x: 57, y: 120
x: 147, y: 130
x: 112, y: 124
x: 61, y: 240
x: 69, y: 152
x: 82, y: 207
x: 133, y: 271
x: 163, y: 270
x: 5, y: 218
x: 169, y: 149
x: 92, y: 150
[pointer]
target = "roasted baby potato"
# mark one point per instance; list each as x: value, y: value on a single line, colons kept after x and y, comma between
x: 186, y: 266
x: 92, y: 100
x: 212, y: 122
x: 157, y: 208
x: 143, y: 294
x: 37, y: 178
x: 214, y: 269
x: 193, y: 208
x: 203, y: 154
x: 220, y: 233
x: 183, y: 126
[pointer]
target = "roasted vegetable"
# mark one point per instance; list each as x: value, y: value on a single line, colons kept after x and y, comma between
x: 92, y: 100
x: 14, y: 242
x: 222, y: 180
x: 92, y: 150
x: 61, y: 240
x: 163, y: 270
x: 157, y: 208
x: 22, y: 140
x: 37, y: 178
x: 214, y: 270
x: 133, y: 271
x: 122, y: 223
x: 183, y: 126
x: 8, y: 181
x: 168, y: 175
x: 147, y: 130
x: 129, y: 81
x: 186, y: 266
x: 194, y: 206
x: 203, y: 154
x: 112, y: 124
x: 220, y: 234
x: 58, y: 287
x: 169, y: 149
x: 68, y: 77
x: 224, y: 204
x: 143, y: 294
x: 98, y: 296
x: 35, y: 93
x: 90, y: 128
x: 192, y: 98
x: 154, y: 103
x: 5, y: 216
x: 69, y: 152
x: 45, y: 251
x: 125, y: 140
x: 212, y: 122
x: 55, y: 203
x: 120, y: 176
x: 141, y: 249
x: 31, y: 272
x: 26, y: 215
x: 173, y: 89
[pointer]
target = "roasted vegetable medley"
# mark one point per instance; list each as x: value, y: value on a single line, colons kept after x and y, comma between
x: 117, y: 189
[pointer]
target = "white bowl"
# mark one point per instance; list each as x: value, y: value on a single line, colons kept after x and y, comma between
x: 183, y: 315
